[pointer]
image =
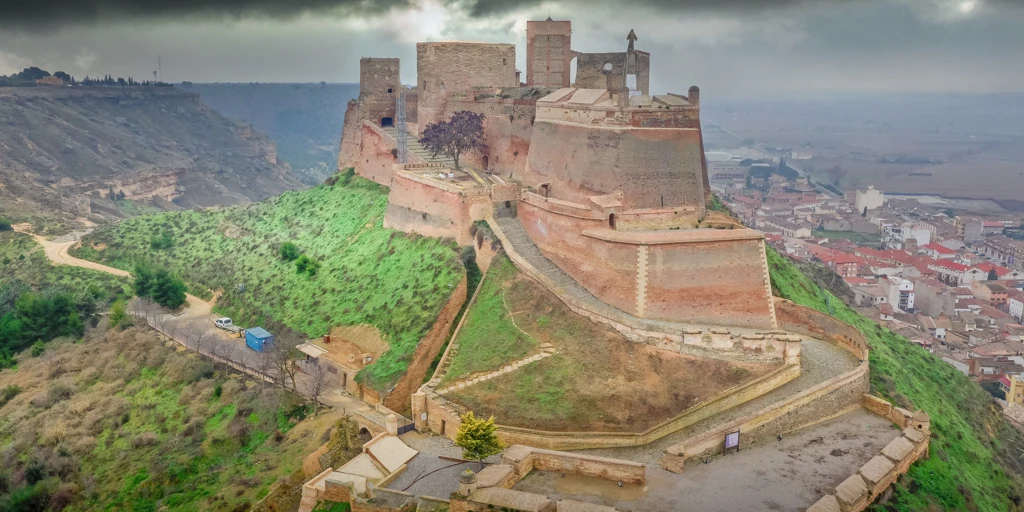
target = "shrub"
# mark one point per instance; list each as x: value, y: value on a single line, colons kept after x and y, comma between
x: 160, y: 286
x: 9, y: 393
x: 59, y: 392
x: 289, y: 251
x: 145, y: 439
x: 38, y: 348
x: 118, y: 317
x: 5, y: 225
x: 305, y: 264
x: 161, y: 241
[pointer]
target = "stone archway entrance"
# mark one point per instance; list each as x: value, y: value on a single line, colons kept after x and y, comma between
x: 487, y: 162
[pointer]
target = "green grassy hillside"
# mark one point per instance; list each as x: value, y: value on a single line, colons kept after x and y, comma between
x: 394, y: 281
x: 125, y: 421
x: 975, y: 461
x: 22, y: 260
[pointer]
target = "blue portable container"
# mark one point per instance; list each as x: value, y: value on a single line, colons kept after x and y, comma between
x: 258, y: 339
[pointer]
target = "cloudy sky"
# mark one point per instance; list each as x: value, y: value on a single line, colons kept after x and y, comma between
x: 731, y: 48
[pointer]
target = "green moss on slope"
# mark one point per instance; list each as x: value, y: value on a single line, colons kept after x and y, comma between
x: 975, y: 459
x: 392, y: 280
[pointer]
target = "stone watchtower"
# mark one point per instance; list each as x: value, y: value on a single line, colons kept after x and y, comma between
x: 548, y: 53
x: 379, y: 76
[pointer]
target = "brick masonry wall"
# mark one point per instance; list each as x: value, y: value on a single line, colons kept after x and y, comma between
x: 376, y: 156
x: 443, y: 68
x: 379, y: 76
x: 508, y: 130
x: 419, y: 208
x: 548, y: 53
x: 653, y: 168
x: 721, y: 283
x: 809, y: 322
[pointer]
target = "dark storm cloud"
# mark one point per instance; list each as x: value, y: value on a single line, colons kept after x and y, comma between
x: 34, y: 14
x: 484, y: 8
x: 481, y: 8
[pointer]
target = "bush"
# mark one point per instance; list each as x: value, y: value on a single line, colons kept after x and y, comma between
x: 161, y: 241
x: 145, y: 439
x: 289, y: 251
x: 160, y: 286
x: 5, y: 225
x: 9, y: 393
x: 118, y: 317
x: 305, y: 264
x: 38, y: 348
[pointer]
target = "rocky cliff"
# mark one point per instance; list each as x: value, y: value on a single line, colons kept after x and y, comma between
x: 64, y: 150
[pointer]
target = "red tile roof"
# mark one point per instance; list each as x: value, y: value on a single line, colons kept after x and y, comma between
x: 941, y: 249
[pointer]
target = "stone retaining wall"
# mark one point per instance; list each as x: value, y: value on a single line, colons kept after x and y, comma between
x: 829, y: 399
x: 444, y: 417
x: 524, y: 459
x: 427, y: 349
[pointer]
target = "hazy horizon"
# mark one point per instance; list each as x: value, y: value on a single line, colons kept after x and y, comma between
x: 732, y: 49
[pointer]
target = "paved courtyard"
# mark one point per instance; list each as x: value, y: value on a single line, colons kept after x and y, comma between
x: 787, y: 476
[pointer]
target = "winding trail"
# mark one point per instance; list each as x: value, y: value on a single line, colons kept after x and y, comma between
x: 57, y: 253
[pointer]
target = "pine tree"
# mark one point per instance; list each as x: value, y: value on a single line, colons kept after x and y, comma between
x: 478, y: 438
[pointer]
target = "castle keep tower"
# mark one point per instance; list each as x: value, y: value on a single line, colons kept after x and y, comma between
x: 548, y: 53
x: 450, y: 67
x: 379, y: 76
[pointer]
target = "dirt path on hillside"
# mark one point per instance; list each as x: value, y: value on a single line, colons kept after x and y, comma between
x: 57, y: 253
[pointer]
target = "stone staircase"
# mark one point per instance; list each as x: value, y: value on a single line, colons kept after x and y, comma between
x: 415, y: 148
x: 546, y: 350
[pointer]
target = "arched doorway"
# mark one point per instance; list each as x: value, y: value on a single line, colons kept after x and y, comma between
x: 487, y: 161
x: 545, y: 189
x: 387, y: 121
x: 611, y: 220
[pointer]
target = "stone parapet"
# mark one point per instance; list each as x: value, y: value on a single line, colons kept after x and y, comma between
x: 857, y: 492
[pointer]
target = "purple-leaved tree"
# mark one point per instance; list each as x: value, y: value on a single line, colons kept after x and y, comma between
x: 464, y: 132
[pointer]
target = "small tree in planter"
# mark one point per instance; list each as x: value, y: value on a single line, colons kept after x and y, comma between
x: 462, y: 133
x: 478, y: 438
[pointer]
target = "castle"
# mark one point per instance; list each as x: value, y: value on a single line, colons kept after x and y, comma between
x: 597, y: 192
x: 608, y: 181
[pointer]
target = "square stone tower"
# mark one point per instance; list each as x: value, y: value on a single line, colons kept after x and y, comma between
x: 548, y: 53
x: 379, y: 76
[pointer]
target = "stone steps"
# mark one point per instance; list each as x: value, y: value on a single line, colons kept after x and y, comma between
x: 546, y: 350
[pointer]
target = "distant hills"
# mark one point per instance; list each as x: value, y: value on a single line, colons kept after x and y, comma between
x: 77, y: 155
x: 304, y: 119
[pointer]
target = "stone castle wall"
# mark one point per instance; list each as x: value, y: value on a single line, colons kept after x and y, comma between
x: 590, y: 73
x: 443, y: 68
x: 418, y: 206
x: 548, y: 53
x: 653, y: 168
x: 376, y: 154
x: 508, y: 130
x: 718, y: 280
x: 379, y: 76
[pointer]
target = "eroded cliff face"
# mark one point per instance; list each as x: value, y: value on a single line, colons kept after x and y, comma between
x: 63, y: 150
